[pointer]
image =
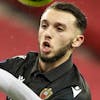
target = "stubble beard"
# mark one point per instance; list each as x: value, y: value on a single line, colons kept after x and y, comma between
x: 59, y: 54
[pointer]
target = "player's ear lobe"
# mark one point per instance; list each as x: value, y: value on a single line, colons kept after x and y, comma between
x: 78, y: 41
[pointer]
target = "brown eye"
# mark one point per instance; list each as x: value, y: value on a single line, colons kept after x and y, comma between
x: 44, y: 26
x: 59, y: 29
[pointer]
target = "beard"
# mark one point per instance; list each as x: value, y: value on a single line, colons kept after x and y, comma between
x: 59, y: 54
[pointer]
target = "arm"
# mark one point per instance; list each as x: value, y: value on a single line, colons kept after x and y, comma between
x: 14, y: 88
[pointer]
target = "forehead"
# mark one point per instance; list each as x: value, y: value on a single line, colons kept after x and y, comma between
x: 53, y: 15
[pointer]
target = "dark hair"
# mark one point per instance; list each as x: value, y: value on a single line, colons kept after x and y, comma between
x: 68, y: 7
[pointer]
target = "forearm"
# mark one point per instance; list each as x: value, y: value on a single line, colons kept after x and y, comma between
x: 15, y: 88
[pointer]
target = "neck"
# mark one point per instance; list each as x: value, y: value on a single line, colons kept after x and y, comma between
x: 45, y: 67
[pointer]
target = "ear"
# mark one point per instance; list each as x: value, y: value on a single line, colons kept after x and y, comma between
x: 78, y: 41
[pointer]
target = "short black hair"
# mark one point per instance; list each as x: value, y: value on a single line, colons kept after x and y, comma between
x: 69, y: 7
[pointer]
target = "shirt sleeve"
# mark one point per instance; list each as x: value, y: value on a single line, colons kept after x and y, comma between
x: 12, y: 64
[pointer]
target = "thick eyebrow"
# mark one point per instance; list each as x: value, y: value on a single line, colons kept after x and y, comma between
x: 55, y: 24
x: 44, y: 20
x: 60, y: 24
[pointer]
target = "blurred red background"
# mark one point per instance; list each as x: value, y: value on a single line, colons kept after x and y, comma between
x: 18, y: 30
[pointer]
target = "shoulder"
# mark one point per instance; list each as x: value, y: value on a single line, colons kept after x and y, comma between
x: 15, y: 62
x: 80, y: 88
x: 73, y: 87
x: 28, y: 55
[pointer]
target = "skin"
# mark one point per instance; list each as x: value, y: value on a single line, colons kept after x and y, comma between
x: 59, y: 31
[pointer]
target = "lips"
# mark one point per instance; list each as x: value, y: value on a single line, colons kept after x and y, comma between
x: 46, y: 47
x: 46, y: 44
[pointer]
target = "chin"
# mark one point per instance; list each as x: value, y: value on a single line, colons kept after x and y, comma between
x: 51, y: 58
x: 46, y: 57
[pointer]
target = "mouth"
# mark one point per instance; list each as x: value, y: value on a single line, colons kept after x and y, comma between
x: 46, y: 44
x: 46, y: 47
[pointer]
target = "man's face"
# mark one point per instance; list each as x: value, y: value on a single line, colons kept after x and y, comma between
x: 56, y: 33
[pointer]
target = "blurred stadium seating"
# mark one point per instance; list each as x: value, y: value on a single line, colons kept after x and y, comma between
x: 18, y: 35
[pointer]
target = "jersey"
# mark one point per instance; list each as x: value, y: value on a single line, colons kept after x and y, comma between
x: 62, y: 83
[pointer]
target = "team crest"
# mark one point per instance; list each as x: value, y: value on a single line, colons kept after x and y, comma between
x: 46, y: 93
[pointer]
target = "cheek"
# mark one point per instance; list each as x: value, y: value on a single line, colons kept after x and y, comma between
x: 66, y: 38
x: 61, y: 42
x: 39, y: 36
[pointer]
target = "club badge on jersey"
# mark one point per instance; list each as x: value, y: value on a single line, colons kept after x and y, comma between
x: 46, y: 93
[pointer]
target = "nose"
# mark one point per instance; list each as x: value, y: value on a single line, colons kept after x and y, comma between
x: 48, y: 34
x: 47, y: 37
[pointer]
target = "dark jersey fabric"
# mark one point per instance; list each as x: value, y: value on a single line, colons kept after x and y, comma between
x: 63, y: 80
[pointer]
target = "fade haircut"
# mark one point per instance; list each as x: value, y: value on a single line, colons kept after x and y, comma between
x: 81, y: 22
